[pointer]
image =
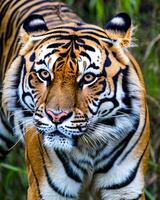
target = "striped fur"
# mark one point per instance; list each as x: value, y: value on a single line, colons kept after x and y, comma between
x: 77, y: 97
x: 12, y: 15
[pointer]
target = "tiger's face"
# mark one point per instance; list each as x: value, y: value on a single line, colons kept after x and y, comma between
x: 74, y: 83
x: 67, y: 85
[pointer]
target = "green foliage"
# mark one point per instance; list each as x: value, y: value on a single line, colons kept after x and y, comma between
x: 130, y: 6
x: 13, y: 179
x: 145, y: 14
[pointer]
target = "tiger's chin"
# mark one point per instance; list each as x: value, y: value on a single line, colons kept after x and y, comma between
x: 54, y: 142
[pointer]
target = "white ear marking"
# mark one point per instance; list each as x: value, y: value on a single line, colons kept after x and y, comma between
x: 36, y: 22
x: 118, y: 21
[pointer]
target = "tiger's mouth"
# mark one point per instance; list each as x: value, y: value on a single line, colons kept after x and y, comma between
x: 57, y: 140
x: 57, y: 133
x: 64, y: 134
x: 51, y: 134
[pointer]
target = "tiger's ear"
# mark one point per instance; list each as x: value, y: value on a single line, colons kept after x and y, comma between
x: 32, y: 26
x: 35, y: 24
x: 120, y: 29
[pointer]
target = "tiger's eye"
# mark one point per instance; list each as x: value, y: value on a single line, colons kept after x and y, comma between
x: 89, y: 78
x: 44, y: 74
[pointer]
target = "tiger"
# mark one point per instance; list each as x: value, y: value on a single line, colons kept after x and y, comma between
x: 76, y: 96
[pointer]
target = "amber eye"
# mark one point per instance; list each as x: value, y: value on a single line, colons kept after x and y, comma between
x: 88, y: 78
x: 44, y: 75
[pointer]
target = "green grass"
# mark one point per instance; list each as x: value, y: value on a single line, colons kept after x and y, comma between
x: 13, y: 179
x: 145, y: 14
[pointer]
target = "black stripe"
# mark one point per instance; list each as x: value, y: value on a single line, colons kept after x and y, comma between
x: 10, y: 23
x: 27, y: 113
x: 8, y: 141
x: 69, y: 171
x: 81, y: 28
x: 32, y: 57
x: 3, y: 11
x: 39, y: 115
x: 111, y: 162
x: 55, y: 187
x: 97, y: 29
x: 126, y: 154
x: 49, y: 180
x: 107, y: 62
x: 54, y: 45
x: 36, y: 179
x: 1, y: 49
x: 58, y: 34
x: 130, y: 178
x: 127, y: 98
x: 88, y: 37
x: 87, y: 47
x: 95, y: 34
x: 6, y: 123
x: 108, y: 121
x: 78, y: 166
x: 86, y: 55
x: 86, y: 162
x: 119, y: 149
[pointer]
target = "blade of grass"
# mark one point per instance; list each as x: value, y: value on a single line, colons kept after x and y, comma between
x: 150, y: 46
x: 149, y: 195
x: 12, y: 168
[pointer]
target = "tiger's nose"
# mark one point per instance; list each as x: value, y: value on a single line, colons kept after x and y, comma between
x: 58, y: 116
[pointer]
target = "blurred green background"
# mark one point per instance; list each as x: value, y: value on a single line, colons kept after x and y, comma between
x: 145, y: 15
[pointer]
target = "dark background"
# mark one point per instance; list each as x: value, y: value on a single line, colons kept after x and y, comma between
x: 145, y: 15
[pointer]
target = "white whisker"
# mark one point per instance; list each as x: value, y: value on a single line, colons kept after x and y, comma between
x: 19, y: 139
x: 17, y: 112
x: 24, y: 123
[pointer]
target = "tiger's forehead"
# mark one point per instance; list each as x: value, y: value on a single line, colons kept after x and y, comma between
x: 80, y: 49
x: 77, y: 59
x: 80, y: 29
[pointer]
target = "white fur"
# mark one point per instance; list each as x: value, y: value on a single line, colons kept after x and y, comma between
x: 61, y: 179
x: 95, y: 58
x: 35, y: 22
x: 118, y: 21
x: 57, y: 142
x: 130, y: 191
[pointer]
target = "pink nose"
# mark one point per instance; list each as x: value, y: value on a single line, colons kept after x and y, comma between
x: 58, y: 116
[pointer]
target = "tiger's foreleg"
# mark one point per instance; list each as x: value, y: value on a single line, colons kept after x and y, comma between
x: 46, y: 175
x: 126, y: 183
x: 123, y: 178
x: 104, y: 195
x: 140, y: 197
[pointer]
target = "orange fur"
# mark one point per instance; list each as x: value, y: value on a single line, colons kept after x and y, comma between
x: 64, y: 93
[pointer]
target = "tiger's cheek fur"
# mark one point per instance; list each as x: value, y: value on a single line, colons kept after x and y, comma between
x: 39, y: 89
x: 92, y: 95
x: 32, y: 92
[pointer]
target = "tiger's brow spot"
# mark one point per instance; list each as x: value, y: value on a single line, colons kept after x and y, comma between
x: 84, y: 64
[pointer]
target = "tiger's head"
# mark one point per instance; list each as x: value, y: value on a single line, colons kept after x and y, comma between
x: 75, y: 82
